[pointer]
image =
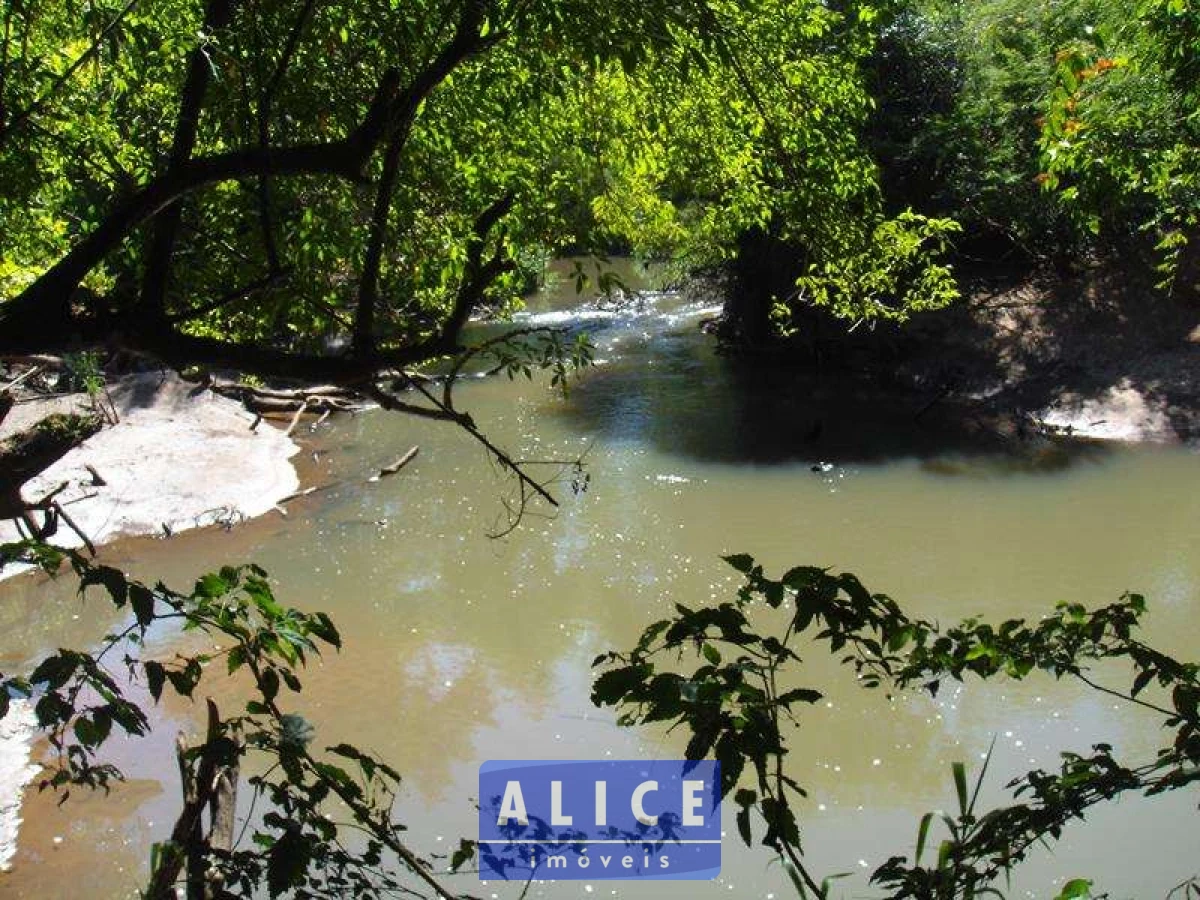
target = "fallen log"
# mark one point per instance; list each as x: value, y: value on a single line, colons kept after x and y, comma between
x: 396, y: 466
x: 306, y: 492
x: 28, y: 373
x: 33, y: 359
x: 233, y: 388
x: 278, y: 405
x: 297, y: 495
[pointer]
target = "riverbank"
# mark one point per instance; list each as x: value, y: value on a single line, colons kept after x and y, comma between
x: 179, y: 457
x: 1095, y: 355
x: 1028, y: 366
x: 17, y: 730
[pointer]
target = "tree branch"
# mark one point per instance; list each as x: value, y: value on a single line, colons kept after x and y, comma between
x: 229, y: 297
x: 466, y: 42
x: 41, y: 314
x: 265, y: 104
x: 152, y: 301
x: 363, y: 341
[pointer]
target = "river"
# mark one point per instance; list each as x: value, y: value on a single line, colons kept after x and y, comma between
x: 461, y: 648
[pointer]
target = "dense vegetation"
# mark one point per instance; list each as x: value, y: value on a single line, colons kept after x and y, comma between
x: 733, y: 706
x: 1062, y: 129
x: 207, y: 182
x: 233, y: 184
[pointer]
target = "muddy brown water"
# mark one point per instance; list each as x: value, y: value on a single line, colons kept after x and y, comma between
x: 460, y: 648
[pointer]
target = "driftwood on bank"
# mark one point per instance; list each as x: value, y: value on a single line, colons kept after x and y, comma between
x: 265, y: 401
x: 296, y: 495
x: 305, y: 492
x: 391, y: 469
x: 300, y: 410
x: 45, y: 360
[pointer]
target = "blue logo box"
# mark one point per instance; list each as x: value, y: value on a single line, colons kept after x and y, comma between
x: 599, y: 820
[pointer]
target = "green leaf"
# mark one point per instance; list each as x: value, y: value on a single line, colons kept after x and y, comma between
x: 185, y: 680
x: 614, y: 685
x: 799, y: 695
x: 86, y: 731
x: 156, y: 676
x: 828, y: 880
x: 235, y: 659
x: 743, y: 562
x: 732, y: 761
x: 960, y: 785
x: 269, y: 684
x: 322, y: 626
x: 55, y: 671
x: 113, y: 581
x: 1075, y: 889
x: 287, y: 862
x: 141, y: 598
x: 212, y: 586
x: 465, y: 853
x: 945, y: 849
x: 922, y: 835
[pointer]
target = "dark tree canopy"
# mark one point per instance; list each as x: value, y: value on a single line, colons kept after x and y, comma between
x: 232, y: 183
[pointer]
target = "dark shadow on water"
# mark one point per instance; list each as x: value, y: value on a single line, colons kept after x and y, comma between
x: 676, y: 394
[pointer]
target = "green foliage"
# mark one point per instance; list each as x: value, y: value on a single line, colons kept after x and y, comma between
x: 899, y: 271
x: 1121, y: 138
x: 962, y: 86
x: 1060, y: 128
x: 68, y: 428
x: 83, y: 373
x: 1075, y: 889
x: 763, y: 132
x: 520, y: 353
x: 733, y: 708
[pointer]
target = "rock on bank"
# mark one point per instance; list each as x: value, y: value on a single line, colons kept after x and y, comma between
x: 180, y: 457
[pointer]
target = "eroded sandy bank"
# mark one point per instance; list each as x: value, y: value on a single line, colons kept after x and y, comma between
x: 179, y: 458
